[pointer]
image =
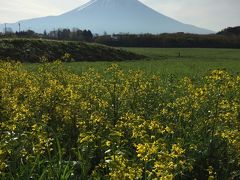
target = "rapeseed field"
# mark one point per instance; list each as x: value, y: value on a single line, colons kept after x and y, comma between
x: 55, y: 124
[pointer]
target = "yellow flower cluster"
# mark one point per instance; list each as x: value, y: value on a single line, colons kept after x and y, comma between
x: 117, y: 124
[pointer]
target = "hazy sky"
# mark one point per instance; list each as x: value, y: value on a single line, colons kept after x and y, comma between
x: 211, y: 14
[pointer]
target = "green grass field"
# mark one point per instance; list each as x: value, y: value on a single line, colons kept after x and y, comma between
x: 167, y: 61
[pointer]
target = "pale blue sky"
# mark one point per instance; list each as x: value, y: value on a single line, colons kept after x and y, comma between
x: 211, y: 14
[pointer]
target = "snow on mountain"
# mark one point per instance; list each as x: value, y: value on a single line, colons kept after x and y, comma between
x: 111, y: 16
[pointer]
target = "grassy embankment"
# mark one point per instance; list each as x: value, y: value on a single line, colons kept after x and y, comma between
x: 36, y: 50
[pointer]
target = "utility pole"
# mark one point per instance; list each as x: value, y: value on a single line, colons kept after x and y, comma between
x: 19, y: 27
x: 5, y: 28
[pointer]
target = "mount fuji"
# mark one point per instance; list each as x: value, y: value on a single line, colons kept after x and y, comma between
x: 111, y: 16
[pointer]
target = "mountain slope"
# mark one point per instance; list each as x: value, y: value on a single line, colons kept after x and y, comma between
x: 112, y: 16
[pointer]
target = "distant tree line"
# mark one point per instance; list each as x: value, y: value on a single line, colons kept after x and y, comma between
x: 66, y: 34
x: 74, y: 34
x: 25, y: 34
x: 170, y: 40
x: 227, y: 38
x: 28, y: 33
x: 230, y: 31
